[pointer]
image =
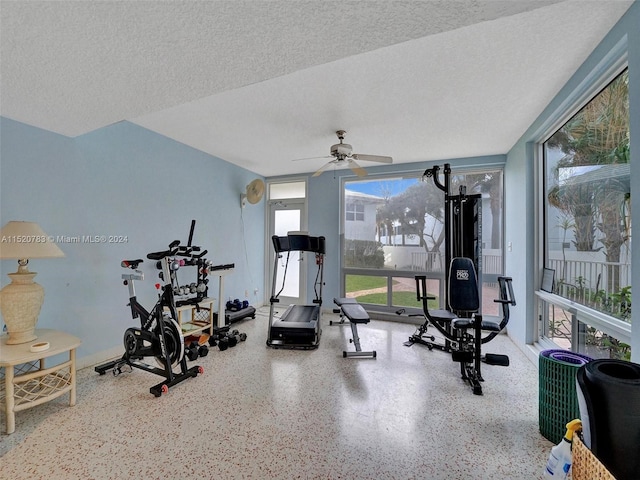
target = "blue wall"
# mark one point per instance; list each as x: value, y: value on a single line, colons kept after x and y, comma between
x: 123, y: 180
x: 520, y: 198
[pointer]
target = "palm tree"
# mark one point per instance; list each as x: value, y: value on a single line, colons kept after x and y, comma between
x: 410, y: 210
x: 598, y: 200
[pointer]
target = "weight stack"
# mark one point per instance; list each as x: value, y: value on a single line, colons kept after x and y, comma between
x: 557, y: 400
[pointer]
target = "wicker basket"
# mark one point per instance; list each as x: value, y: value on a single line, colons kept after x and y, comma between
x: 585, y: 465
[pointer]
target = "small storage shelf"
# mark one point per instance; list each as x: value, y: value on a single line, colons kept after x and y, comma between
x: 200, y: 317
x: 40, y: 386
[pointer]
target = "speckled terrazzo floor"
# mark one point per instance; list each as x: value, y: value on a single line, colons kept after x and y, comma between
x: 261, y: 413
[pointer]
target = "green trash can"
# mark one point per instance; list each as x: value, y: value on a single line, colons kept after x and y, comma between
x: 558, y: 400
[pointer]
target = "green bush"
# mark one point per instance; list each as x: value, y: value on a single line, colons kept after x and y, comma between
x: 363, y: 254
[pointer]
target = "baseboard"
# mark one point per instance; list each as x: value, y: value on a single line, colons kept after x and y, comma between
x: 531, y: 351
x: 100, y: 357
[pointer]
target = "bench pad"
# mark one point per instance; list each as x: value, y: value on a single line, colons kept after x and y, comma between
x: 352, y: 310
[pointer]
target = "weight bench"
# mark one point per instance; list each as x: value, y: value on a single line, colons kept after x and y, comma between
x: 353, y: 311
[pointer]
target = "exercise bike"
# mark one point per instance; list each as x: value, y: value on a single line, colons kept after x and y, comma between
x: 159, y: 335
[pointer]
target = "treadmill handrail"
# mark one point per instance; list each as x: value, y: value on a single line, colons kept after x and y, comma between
x: 298, y: 242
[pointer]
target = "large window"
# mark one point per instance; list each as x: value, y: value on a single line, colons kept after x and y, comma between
x: 587, y: 226
x: 401, y: 234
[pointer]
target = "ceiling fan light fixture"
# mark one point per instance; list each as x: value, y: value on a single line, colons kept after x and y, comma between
x: 342, y: 153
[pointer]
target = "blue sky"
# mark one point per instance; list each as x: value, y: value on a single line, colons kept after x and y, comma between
x: 381, y: 187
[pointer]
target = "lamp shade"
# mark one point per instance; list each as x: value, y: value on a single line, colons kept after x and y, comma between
x: 20, y: 240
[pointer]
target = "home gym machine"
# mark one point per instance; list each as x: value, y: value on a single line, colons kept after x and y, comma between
x: 463, y: 237
x: 461, y: 324
x: 159, y: 335
x: 299, y: 325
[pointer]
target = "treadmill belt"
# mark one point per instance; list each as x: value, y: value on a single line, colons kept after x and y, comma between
x: 300, y: 314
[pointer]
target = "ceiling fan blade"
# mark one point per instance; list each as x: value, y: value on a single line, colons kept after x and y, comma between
x: 323, y: 168
x: 311, y: 158
x: 357, y: 169
x: 372, y: 158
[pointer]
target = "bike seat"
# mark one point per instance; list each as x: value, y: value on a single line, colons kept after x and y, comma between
x: 132, y: 264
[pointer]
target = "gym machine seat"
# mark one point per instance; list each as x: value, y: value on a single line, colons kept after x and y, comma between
x: 355, y: 313
x: 464, y: 299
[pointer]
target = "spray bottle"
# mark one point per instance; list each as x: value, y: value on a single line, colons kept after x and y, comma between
x: 559, y: 462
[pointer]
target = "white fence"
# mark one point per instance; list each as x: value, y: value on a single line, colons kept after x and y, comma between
x: 434, y: 261
x: 584, y: 279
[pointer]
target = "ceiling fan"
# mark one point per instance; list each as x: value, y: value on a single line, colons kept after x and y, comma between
x: 342, y: 154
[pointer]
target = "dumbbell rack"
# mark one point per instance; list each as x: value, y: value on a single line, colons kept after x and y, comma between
x: 202, y: 317
x: 206, y: 319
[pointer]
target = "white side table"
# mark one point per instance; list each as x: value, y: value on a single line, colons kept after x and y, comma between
x: 26, y: 385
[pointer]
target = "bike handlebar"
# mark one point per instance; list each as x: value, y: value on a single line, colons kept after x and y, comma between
x: 176, y: 249
x: 161, y: 255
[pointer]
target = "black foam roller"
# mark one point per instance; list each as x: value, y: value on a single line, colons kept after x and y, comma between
x: 609, y: 400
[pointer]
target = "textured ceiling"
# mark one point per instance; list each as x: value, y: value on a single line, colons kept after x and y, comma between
x: 259, y: 83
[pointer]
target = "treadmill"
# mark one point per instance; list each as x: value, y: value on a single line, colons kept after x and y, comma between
x: 299, y: 325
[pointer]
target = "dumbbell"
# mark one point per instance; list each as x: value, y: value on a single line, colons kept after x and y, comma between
x: 232, y: 339
x: 241, y: 337
x: 197, y: 347
x: 234, y: 305
x: 220, y: 340
x: 203, y: 350
x: 192, y: 351
x: 223, y: 343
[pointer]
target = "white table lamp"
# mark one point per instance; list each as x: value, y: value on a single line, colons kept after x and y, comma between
x: 21, y: 300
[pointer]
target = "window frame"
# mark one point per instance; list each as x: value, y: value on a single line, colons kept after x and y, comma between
x: 608, y: 69
x: 466, y: 169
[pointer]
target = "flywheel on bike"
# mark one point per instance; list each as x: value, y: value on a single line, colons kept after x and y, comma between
x: 174, y: 342
x: 131, y: 343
